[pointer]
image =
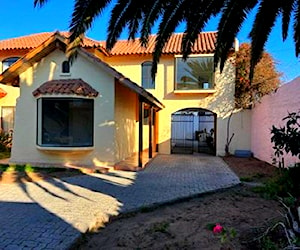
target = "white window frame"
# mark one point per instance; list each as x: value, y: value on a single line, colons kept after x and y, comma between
x: 42, y: 146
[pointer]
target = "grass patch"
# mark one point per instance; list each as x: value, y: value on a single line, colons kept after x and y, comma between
x: 284, y: 184
x: 259, y: 175
x: 27, y: 168
x: 246, y: 179
x: 160, y: 227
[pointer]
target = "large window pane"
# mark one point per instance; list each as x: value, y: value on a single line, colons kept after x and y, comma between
x: 66, y: 122
x: 194, y: 73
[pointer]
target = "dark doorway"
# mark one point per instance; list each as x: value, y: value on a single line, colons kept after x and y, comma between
x: 193, y: 131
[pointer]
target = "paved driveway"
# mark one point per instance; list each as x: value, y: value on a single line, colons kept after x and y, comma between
x: 52, y: 214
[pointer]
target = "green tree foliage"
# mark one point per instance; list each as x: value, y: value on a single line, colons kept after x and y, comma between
x: 140, y: 16
x: 265, y: 79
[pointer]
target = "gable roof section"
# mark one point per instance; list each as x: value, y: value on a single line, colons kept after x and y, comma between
x: 34, y: 40
x: 205, y: 44
x: 66, y: 87
x: 33, y: 56
x: 57, y: 41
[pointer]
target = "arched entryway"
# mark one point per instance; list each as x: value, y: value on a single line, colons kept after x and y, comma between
x: 193, y: 131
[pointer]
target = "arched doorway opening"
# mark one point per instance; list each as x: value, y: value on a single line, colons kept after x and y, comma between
x: 193, y: 131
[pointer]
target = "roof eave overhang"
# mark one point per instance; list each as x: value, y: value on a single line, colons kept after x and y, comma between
x: 123, y: 80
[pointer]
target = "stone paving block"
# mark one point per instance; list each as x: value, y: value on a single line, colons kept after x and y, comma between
x: 12, y: 247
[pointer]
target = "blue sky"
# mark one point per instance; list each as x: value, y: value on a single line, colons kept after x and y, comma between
x: 21, y: 18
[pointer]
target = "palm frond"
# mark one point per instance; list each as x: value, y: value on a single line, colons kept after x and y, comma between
x: 151, y: 15
x: 233, y: 15
x: 117, y: 22
x: 263, y: 24
x: 134, y: 22
x: 297, y: 28
x: 197, y: 15
x: 287, y: 7
x: 84, y: 13
x: 172, y: 16
x: 39, y: 3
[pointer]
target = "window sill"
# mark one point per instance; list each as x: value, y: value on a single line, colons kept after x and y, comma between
x: 65, y: 74
x: 65, y: 149
x: 195, y: 91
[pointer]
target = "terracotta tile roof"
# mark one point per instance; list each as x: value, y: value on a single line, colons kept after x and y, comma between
x: 204, y: 45
x: 66, y: 87
x: 34, y: 40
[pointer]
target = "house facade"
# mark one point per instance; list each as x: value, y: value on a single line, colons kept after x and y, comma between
x: 116, y: 109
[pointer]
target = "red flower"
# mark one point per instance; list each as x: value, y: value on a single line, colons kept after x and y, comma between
x: 218, y: 229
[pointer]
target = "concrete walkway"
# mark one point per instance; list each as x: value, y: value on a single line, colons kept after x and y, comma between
x: 53, y: 214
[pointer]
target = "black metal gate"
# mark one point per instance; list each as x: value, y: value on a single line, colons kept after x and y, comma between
x: 182, y: 139
x: 206, y: 132
x: 193, y: 131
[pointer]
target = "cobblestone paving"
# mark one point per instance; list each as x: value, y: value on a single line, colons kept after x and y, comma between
x: 53, y: 214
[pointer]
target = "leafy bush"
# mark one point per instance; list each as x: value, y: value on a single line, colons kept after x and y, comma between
x: 287, y: 138
x: 5, y: 141
x: 285, y: 183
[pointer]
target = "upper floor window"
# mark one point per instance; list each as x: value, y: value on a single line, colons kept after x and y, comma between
x: 195, y: 73
x: 65, y: 67
x: 8, y: 61
x: 147, y: 81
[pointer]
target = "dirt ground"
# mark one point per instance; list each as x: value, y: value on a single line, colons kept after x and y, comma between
x: 184, y: 225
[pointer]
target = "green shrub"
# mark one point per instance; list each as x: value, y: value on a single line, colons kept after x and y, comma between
x: 5, y: 141
x: 284, y: 184
x: 286, y: 139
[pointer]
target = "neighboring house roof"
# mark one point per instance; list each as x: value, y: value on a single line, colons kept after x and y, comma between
x: 57, y: 40
x: 204, y: 45
x: 66, y: 87
x: 34, y: 40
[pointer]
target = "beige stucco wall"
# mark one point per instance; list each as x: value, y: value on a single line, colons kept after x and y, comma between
x: 126, y: 118
x: 221, y: 102
x: 25, y: 149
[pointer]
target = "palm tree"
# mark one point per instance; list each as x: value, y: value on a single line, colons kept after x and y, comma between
x: 140, y: 16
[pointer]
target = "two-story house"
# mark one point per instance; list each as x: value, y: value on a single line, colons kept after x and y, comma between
x: 105, y: 106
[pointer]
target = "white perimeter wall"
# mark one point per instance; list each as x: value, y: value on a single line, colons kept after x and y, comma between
x: 270, y: 112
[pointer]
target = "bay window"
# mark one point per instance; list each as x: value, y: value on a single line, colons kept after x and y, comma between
x: 65, y: 122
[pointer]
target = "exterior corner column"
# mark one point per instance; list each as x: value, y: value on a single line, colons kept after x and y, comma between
x: 150, y: 132
x: 141, y: 117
